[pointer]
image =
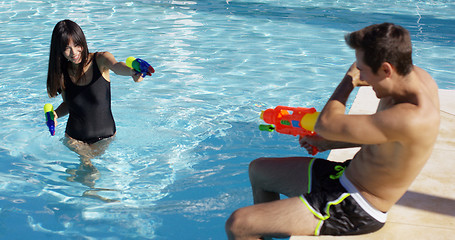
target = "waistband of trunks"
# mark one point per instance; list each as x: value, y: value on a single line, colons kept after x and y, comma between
x: 375, y: 213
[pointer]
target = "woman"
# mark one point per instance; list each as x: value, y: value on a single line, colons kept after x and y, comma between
x: 82, y: 78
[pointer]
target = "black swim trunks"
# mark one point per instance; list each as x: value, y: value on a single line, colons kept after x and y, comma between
x: 337, y: 203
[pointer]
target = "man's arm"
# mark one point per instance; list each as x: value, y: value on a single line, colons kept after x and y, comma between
x: 323, y: 144
x: 333, y: 124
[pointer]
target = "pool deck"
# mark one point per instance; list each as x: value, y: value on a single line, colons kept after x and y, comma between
x: 427, y: 210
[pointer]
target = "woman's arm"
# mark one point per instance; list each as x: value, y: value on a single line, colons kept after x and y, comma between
x: 61, y: 110
x: 107, y: 61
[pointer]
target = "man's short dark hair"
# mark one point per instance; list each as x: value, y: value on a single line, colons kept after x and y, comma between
x: 385, y: 42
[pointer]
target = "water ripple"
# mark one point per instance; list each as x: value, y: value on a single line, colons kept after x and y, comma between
x: 186, y: 135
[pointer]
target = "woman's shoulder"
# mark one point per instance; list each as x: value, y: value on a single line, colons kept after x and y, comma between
x: 101, y: 55
x: 103, y: 59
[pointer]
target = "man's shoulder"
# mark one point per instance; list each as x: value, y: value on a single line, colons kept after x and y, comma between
x: 407, y: 120
x: 427, y: 80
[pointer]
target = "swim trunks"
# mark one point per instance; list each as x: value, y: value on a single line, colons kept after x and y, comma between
x: 90, y: 116
x: 335, y: 201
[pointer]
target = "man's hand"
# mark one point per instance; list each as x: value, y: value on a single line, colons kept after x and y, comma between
x: 308, y: 142
x: 354, y: 74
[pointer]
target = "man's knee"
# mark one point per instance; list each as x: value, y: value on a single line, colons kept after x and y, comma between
x: 255, y: 167
x: 255, y: 163
x: 238, y: 224
x: 234, y: 222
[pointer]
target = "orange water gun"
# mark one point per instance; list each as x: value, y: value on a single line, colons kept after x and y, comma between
x: 290, y: 120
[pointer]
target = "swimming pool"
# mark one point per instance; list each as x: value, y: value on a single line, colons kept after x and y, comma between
x: 178, y: 165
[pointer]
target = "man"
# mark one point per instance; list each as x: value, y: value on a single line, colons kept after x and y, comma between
x: 353, y: 197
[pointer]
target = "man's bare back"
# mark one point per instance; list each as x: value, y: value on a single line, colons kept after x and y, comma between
x: 383, y: 172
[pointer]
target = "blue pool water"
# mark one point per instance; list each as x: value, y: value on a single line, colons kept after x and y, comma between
x: 178, y: 165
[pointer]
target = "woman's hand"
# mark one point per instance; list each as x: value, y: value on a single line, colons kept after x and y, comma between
x: 55, y: 118
x: 137, y: 76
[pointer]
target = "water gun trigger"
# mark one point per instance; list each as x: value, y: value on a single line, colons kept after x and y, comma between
x: 314, y: 150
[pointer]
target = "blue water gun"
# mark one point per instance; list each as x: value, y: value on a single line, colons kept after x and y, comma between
x: 49, y: 113
x: 140, y: 66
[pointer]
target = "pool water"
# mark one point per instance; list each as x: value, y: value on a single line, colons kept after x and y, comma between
x: 178, y: 165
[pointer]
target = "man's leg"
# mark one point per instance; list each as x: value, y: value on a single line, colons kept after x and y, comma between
x: 281, y: 218
x: 269, y: 218
x: 271, y: 176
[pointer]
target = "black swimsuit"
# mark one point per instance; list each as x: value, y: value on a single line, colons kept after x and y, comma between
x: 90, y: 116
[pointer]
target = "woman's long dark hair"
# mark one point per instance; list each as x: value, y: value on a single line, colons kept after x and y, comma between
x: 58, y: 64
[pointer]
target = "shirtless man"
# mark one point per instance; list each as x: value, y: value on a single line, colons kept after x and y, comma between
x: 353, y: 197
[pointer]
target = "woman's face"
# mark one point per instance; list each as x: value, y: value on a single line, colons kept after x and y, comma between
x: 73, y: 53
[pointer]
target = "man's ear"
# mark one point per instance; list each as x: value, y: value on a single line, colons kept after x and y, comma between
x: 388, y: 69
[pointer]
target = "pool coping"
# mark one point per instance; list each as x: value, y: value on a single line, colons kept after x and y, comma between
x: 427, y: 209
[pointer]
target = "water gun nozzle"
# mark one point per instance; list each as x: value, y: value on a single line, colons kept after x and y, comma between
x: 268, y: 128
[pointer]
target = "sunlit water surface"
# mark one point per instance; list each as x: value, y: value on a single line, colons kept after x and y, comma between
x: 178, y: 165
